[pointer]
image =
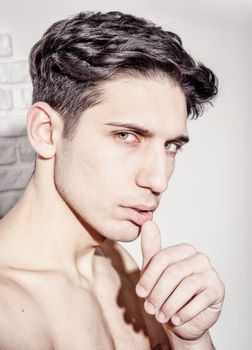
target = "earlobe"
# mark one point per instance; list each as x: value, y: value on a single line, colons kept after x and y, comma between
x: 41, y: 126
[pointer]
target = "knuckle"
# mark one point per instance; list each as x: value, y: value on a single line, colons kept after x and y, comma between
x: 214, y: 275
x: 188, y: 248
x: 204, y: 259
x: 209, y: 295
x: 215, y: 285
x: 190, y: 284
x: 211, y: 276
x: 220, y: 290
x: 214, y: 295
x: 173, y: 271
x: 162, y: 258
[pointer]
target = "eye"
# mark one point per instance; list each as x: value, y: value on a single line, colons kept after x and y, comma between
x: 172, y: 147
x: 126, y: 137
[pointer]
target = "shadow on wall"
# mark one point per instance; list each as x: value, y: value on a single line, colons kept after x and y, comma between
x: 16, y: 155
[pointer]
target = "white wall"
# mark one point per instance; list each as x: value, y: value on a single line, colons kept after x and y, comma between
x: 209, y: 200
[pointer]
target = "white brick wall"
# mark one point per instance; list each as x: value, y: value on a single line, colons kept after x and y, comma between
x: 16, y: 154
x: 14, y: 72
x: 6, y: 102
x: 5, y: 45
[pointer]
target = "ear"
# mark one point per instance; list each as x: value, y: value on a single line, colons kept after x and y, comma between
x: 44, y: 128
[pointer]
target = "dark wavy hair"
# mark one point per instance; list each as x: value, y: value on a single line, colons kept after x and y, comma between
x: 74, y: 56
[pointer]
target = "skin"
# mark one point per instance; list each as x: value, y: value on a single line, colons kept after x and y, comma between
x: 65, y: 282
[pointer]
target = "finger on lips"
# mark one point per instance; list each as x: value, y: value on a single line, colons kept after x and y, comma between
x: 150, y: 242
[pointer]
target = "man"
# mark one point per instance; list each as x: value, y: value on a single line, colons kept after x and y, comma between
x: 112, y: 95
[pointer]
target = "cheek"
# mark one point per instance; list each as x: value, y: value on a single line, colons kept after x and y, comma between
x: 93, y: 174
x: 106, y: 168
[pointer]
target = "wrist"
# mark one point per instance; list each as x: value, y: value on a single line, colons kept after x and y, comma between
x: 202, y: 343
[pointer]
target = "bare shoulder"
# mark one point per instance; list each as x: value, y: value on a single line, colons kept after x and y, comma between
x: 19, y: 317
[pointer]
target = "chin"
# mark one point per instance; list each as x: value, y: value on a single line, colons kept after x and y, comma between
x: 124, y: 232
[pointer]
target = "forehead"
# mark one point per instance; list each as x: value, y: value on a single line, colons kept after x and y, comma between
x: 156, y: 103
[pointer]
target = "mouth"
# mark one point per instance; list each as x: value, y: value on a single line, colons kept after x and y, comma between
x: 139, y: 214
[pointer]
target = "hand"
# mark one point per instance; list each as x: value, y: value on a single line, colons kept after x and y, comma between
x: 179, y: 285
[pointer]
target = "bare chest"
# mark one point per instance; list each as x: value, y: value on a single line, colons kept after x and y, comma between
x: 87, y: 323
x: 108, y: 319
x: 60, y: 316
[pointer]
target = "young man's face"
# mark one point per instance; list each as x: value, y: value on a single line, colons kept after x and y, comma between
x: 114, y: 170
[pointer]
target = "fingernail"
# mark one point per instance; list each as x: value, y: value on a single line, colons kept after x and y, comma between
x: 176, y: 320
x: 149, y: 308
x: 141, y: 291
x: 160, y: 316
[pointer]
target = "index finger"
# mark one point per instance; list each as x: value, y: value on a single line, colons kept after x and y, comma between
x: 150, y: 241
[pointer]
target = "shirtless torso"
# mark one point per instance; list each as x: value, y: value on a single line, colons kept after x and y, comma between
x: 45, y: 310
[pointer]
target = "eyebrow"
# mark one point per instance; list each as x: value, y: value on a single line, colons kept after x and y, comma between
x: 181, y: 138
x: 132, y: 126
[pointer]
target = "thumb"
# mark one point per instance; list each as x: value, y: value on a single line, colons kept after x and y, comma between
x: 150, y: 241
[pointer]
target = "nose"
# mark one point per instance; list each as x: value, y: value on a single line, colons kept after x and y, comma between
x: 155, y: 172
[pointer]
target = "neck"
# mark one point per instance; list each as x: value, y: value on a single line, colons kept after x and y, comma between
x: 43, y: 232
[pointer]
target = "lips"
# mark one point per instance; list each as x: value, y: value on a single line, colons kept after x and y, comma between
x: 139, y: 215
